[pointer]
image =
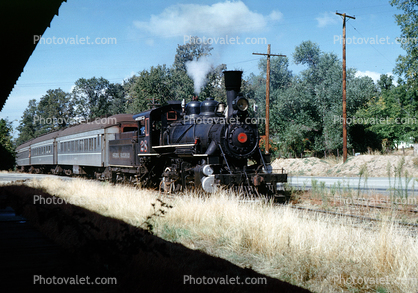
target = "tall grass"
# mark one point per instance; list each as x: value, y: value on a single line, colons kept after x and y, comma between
x: 318, y: 252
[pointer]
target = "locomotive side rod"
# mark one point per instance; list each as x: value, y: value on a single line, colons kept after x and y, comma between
x: 226, y: 161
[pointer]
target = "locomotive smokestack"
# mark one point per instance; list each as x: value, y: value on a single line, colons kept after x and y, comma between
x: 233, y: 86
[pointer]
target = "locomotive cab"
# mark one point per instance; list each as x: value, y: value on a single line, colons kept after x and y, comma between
x: 152, y: 125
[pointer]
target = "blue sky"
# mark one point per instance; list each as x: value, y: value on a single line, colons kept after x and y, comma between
x: 141, y: 34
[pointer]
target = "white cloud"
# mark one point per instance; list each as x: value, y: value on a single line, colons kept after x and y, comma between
x: 213, y: 20
x: 374, y: 75
x: 327, y: 18
x: 128, y: 76
x: 276, y: 15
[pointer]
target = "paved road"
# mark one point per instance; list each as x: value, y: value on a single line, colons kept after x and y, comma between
x: 9, y: 177
x: 373, y: 184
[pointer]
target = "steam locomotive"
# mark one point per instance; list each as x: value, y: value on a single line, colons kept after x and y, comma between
x: 196, y: 145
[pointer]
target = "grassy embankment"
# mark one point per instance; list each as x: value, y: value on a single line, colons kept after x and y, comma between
x: 320, y: 253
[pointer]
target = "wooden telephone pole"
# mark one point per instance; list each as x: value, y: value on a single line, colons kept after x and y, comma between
x: 268, y: 93
x: 344, y: 90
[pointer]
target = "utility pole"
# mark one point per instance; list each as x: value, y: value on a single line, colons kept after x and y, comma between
x: 268, y: 94
x: 344, y: 90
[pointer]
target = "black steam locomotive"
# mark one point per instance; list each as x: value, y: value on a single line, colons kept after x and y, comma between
x: 177, y: 146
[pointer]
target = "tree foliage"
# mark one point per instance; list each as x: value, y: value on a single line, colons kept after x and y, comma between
x: 91, y: 97
x: 28, y: 127
x: 392, y: 114
x: 407, y: 65
x: 55, y: 104
x: 305, y: 108
x: 149, y: 87
x: 193, y: 50
x: 7, y: 148
x: 307, y: 112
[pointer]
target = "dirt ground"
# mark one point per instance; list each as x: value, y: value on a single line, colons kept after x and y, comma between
x: 377, y: 165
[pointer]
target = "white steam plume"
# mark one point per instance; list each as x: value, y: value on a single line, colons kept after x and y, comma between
x: 197, y: 70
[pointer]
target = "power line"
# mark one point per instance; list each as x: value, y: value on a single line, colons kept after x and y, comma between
x: 372, y: 45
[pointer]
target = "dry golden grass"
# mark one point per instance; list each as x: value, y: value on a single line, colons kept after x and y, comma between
x: 323, y: 255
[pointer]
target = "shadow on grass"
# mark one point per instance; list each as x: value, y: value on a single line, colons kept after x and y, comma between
x: 140, y: 261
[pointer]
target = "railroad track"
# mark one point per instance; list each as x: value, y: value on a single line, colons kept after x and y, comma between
x: 409, y: 210
x: 410, y: 228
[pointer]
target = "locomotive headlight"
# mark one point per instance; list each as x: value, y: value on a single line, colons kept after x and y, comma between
x: 241, y: 104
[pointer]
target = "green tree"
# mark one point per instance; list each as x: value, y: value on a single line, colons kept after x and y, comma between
x: 307, y: 53
x: 54, y: 107
x: 91, y: 97
x: 407, y: 65
x: 148, y: 86
x: 7, y: 148
x: 6, y: 131
x: 391, y: 115
x: 305, y: 115
x: 215, y: 84
x: 255, y: 86
x: 385, y: 83
x: 181, y: 85
x: 193, y: 50
x: 29, y: 124
x: 117, y: 97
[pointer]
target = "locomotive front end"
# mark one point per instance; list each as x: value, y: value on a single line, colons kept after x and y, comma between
x: 213, y: 145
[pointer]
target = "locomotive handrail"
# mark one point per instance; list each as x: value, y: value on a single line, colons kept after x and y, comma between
x: 276, y: 171
x: 173, y: 145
